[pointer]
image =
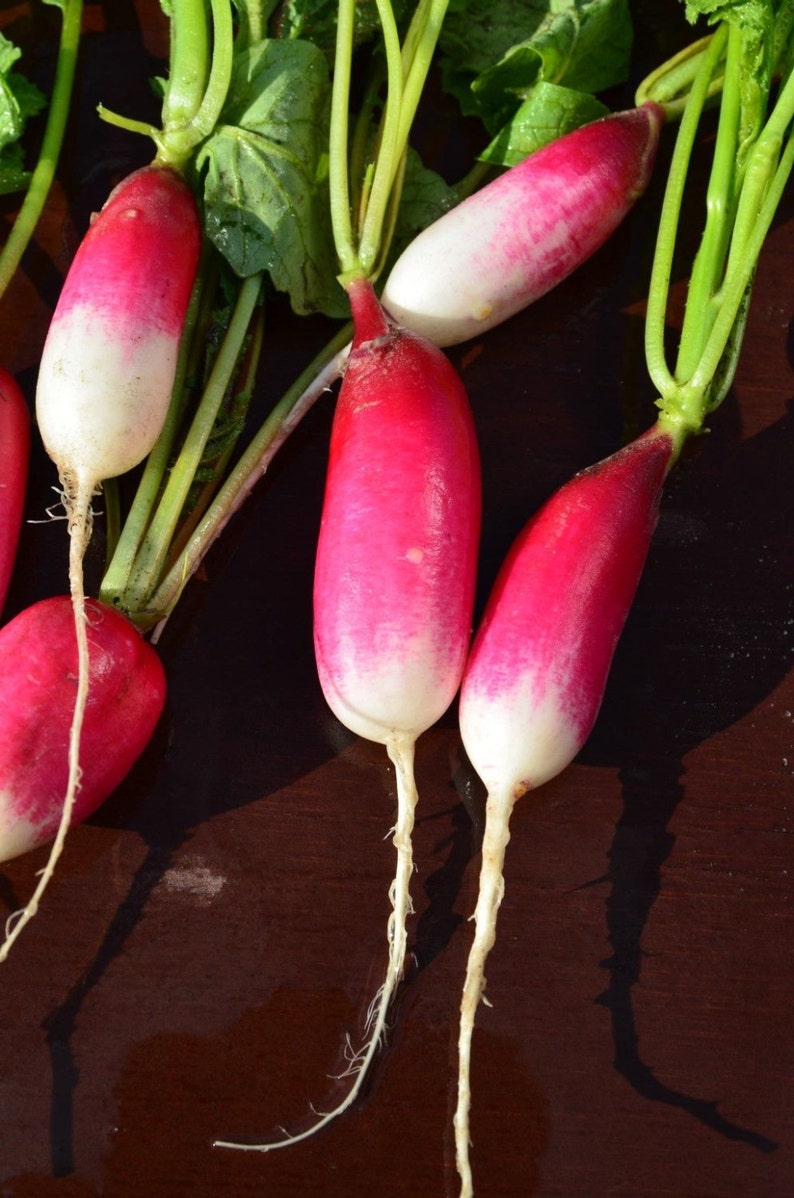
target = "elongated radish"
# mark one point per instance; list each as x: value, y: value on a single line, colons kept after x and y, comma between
x: 38, y: 683
x: 395, y: 568
x: 394, y: 574
x: 522, y: 234
x: 14, y: 455
x: 106, y: 375
x: 109, y: 359
x: 538, y: 667
x: 394, y: 578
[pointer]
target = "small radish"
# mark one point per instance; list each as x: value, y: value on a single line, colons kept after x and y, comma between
x: 38, y: 683
x: 538, y: 667
x: 395, y: 569
x: 396, y: 559
x: 518, y: 237
x: 394, y: 578
x: 14, y: 455
x: 397, y: 551
x: 109, y: 359
x: 106, y: 374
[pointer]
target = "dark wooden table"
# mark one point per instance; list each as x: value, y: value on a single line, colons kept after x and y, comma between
x: 217, y: 929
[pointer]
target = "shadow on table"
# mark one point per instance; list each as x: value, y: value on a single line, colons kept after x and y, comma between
x: 710, y: 635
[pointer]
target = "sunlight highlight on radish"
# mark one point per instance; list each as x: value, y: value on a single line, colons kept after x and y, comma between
x: 538, y: 668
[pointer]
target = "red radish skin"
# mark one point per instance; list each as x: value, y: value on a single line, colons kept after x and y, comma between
x: 105, y: 380
x: 508, y: 244
x: 394, y: 579
x: 109, y: 360
x: 538, y: 668
x: 38, y: 683
x: 396, y: 559
x: 395, y: 572
x: 14, y: 457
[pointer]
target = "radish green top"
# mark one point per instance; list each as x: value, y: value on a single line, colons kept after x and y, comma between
x: 750, y: 54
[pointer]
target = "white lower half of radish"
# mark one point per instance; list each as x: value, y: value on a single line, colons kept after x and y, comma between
x: 99, y: 402
x: 16, y: 833
x: 401, y: 690
x: 549, y: 739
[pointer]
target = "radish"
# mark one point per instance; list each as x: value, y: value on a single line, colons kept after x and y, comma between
x: 538, y: 667
x: 109, y: 359
x: 396, y: 557
x: 38, y: 681
x: 394, y: 579
x: 395, y: 569
x: 397, y: 550
x: 506, y: 245
x: 14, y: 455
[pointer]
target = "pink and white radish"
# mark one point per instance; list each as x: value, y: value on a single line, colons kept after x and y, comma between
x: 395, y: 568
x: 106, y: 375
x: 538, y: 667
x: 14, y: 457
x: 109, y: 360
x: 394, y: 578
x: 38, y: 683
x: 506, y: 245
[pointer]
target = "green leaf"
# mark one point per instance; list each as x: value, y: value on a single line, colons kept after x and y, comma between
x: 548, y: 113
x: 265, y: 186
x: 19, y: 100
x: 9, y: 54
x: 755, y: 20
x: 13, y: 176
x: 28, y: 97
x: 493, y: 56
x: 11, y: 122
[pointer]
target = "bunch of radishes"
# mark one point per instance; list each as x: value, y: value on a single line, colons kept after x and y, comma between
x: 105, y: 385
x: 397, y: 553
x: 534, y: 677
